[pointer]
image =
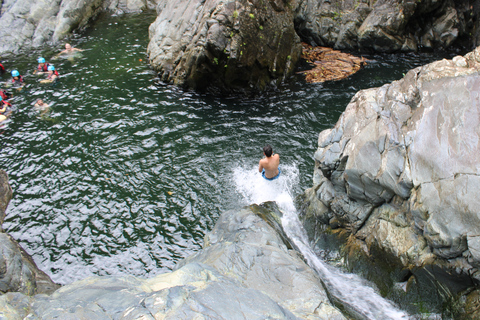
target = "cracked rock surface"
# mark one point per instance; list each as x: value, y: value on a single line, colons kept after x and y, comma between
x: 400, y: 169
x: 27, y: 24
x: 244, y: 271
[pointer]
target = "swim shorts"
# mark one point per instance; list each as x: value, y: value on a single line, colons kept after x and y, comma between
x: 271, y: 179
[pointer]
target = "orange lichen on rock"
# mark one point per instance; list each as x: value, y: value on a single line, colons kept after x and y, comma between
x: 329, y: 64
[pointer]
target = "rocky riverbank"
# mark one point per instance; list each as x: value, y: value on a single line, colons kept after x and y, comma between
x: 399, y: 173
x: 250, y: 46
x: 246, y: 270
x: 28, y: 24
x: 244, y: 46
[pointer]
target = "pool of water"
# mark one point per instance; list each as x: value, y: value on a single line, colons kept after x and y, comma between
x: 125, y: 174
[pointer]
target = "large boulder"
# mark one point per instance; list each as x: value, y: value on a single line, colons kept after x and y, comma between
x: 224, y: 45
x: 400, y: 171
x: 245, y: 271
x: 388, y: 25
x: 26, y: 24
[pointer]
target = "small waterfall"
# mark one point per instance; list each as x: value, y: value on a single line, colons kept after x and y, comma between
x: 354, y: 293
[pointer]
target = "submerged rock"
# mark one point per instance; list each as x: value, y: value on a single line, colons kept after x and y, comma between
x: 400, y: 171
x: 244, y: 271
x: 328, y: 64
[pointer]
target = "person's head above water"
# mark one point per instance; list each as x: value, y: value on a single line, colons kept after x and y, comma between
x: 51, y: 68
x: 68, y: 46
x: 15, y: 73
x: 267, y: 150
x: 41, y: 60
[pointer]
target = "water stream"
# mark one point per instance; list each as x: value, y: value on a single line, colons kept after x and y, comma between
x: 355, y: 294
x: 125, y: 174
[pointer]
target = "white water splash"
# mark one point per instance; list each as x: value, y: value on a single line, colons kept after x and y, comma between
x: 355, y: 293
x: 256, y: 189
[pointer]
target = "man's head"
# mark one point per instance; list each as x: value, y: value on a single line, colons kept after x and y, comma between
x: 267, y: 150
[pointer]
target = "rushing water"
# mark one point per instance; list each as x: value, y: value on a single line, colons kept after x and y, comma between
x: 125, y: 174
x: 357, y: 296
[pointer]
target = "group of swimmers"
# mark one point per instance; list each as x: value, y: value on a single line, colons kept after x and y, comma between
x: 17, y: 82
x: 268, y: 166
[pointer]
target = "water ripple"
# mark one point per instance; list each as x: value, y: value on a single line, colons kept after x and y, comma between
x: 125, y: 175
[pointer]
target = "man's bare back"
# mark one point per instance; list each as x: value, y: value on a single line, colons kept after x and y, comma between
x: 270, y: 163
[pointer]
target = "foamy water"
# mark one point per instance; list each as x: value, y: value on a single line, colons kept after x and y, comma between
x: 356, y: 294
x: 255, y: 189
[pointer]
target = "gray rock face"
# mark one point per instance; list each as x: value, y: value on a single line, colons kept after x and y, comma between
x: 5, y: 194
x: 387, y: 25
x: 243, y: 45
x: 400, y: 169
x: 33, y: 23
x: 245, y: 271
x: 18, y: 272
x: 226, y: 45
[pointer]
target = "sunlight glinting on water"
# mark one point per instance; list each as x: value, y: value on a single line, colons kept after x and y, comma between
x: 126, y: 175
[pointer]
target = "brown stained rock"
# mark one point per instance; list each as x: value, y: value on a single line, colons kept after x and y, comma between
x: 329, y: 64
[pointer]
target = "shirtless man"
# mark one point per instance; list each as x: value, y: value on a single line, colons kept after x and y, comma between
x: 69, y: 49
x: 41, y: 106
x: 268, y: 166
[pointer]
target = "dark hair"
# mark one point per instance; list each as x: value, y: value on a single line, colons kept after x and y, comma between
x: 267, y: 150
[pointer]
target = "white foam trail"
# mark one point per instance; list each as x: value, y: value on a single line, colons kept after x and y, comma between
x: 255, y: 189
x: 351, y: 290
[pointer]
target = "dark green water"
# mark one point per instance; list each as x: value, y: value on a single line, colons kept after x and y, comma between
x: 126, y: 174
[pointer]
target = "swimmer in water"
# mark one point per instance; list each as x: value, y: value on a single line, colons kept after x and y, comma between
x: 69, y: 49
x: 52, y: 75
x: 4, y: 112
x: 42, y: 66
x: 4, y: 94
x: 17, y: 80
x: 268, y: 166
x: 41, y: 107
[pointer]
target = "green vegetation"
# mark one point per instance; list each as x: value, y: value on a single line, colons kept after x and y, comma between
x: 235, y: 14
x: 252, y: 15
